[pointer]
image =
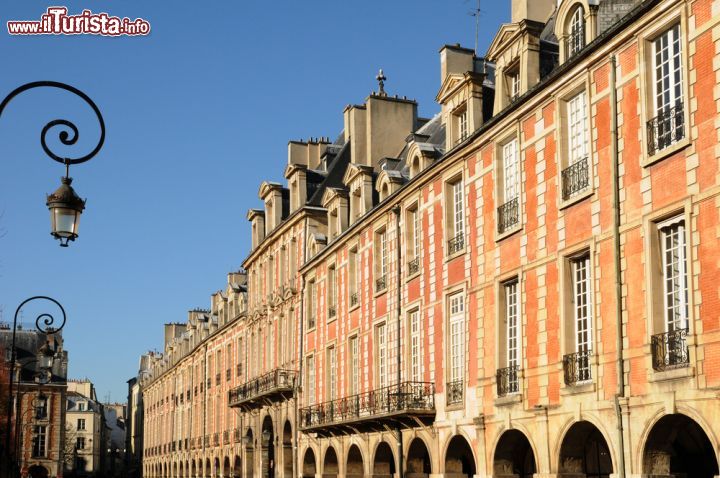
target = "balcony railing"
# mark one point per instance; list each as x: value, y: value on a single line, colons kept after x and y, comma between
x: 507, y: 381
x: 670, y: 350
x: 413, y: 266
x: 353, y: 299
x: 332, y: 311
x: 666, y: 129
x: 454, y: 392
x: 576, y: 367
x: 456, y: 244
x: 381, y: 283
x: 277, y: 384
x: 575, y: 178
x: 575, y: 42
x: 509, y: 215
x: 393, y: 402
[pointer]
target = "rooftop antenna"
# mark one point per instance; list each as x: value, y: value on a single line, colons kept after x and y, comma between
x: 476, y: 13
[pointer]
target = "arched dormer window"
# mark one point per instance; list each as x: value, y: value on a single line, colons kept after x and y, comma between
x: 415, y: 167
x: 575, y: 30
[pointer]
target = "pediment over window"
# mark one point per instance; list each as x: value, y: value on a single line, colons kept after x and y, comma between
x: 506, y: 35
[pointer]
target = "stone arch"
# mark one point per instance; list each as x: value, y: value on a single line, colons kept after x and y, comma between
x: 287, y: 449
x: 180, y: 470
x: 193, y: 469
x: 267, y: 437
x: 208, y: 470
x: 226, y: 470
x: 216, y: 467
x: 677, y: 445
x: 237, y: 466
x: 584, y: 450
x: 249, y: 453
x: 331, y: 468
x: 418, y: 464
x: 459, y: 457
x: 355, y: 465
x: 309, y: 467
x: 384, y: 460
x: 514, y: 455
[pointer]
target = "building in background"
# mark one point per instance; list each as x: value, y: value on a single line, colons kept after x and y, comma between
x: 37, y: 437
x: 134, y: 420
x: 524, y: 284
x: 115, y: 440
x: 86, y: 432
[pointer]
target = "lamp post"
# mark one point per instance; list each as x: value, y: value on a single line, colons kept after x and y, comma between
x: 44, y: 323
x: 64, y: 204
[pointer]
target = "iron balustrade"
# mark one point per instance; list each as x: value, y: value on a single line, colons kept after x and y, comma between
x: 381, y: 283
x: 332, y: 311
x: 405, y: 397
x: 575, y: 178
x: 576, y: 367
x: 507, y: 381
x: 509, y: 215
x: 666, y: 129
x: 353, y: 299
x: 455, y: 392
x: 575, y: 42
x: 456, y: 244
x: 670, y: 350
x: 279, y: 380
x: 413, y: 266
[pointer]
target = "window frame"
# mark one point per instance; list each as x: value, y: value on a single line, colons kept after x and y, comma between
x: 500, y: 184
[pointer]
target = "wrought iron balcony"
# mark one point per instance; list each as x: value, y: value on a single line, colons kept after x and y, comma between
x: 381, y: 283
x: 575, y: 178
x: 273, y: 386
x: 413, y: 266
x: 507, y: 381
x: 575, y: 42
x: 403, y: 404
x: 332, y: 311
x: 576, y: 367
x: 509, y: 215
x: 353, y: 299
x: 456, y: 244
x: 670, y: 350
x: 454, y: 392
x: 666, y: 129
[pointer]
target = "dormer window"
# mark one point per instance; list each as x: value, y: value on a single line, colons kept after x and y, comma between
x: 575, y: 40
x: 512, y: 82
x: 415, y: 166
x: 461, y: 124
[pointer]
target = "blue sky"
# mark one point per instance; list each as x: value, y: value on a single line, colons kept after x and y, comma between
x: 198, y: 113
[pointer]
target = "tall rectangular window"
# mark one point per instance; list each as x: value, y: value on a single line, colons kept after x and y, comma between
x: 331, y: 292
x: 39, y: 441
x: 511, y: 170
x: 416, y: 351
x: 458, y: 208
x: 382, y: 358
x: 416, y: 232
x: 80, y: 443
x: 354, y: 362
x: 331, y: 373
x: 674, y: 264
x: 511, y: 323
x: 577, y: 128
x: 81, y: 424
x: 667, y: 49
x: 461, y: 125
x: 381, y: 260
x: 311, y: 379
x: 311, y: 304
x: 383, y: 253
x: 457, y: 337
x: 353, y: 274
x: 582, y: 303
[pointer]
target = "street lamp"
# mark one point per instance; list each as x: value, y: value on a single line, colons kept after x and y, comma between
x: 44, y: 323
x: 64, y: 204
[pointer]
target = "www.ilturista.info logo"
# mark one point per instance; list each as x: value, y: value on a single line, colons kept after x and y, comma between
x: 57, y: 22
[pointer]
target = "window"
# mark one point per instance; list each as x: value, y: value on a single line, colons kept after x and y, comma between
x: 239, y: 371
x: 81, y: 424
x: 382, y: 357
x: 413, y: 240
x: 311, y: 380
x: 81, y: 406
x: 331, y: 292
x: 461, y: 125
x: 509, y: 346
x: 381, y: 260
x: 416, y: 347
x: 353, y: 275
x: 576, y: 33
x: 456, y: 345
x: 456, y: 242
x: 41, y: 410
x: 80, y: 443
x: 354, y: 361
x: 509, y: 211
x: 576, y: 363
x: 575, y: 176
x: 512, y: 82
x: 668, y: 126
x: 331, y: 373
x: 39, y: 441
x: 311, y: 304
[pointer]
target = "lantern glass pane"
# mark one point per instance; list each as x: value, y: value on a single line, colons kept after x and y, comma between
x: 65, y: 221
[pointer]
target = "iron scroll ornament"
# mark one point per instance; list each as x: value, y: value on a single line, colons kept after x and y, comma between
x: 48, y: 321
x: 70, y: 134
